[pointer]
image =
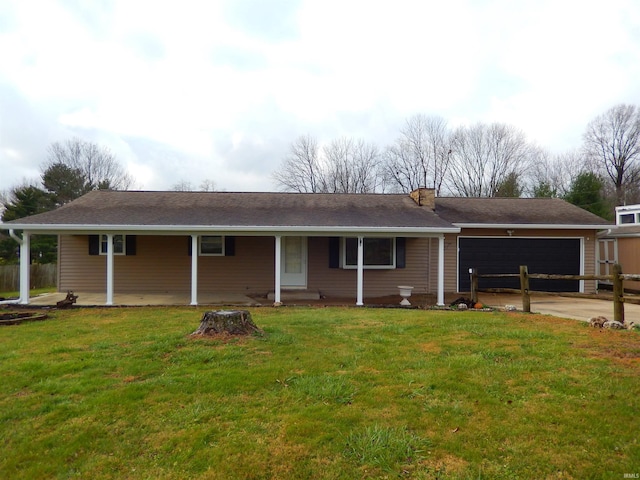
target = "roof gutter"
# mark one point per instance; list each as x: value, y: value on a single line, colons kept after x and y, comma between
x: 532, y: 225
x: 252, y: 229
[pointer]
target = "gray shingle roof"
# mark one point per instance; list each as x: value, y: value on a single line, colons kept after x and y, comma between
x: 241, y: 209
x: 325, y: 211
x: 514, y: 211
x: 622, y: 231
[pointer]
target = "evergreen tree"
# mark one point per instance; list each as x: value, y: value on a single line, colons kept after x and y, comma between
x: 24, y: 201
x: 509, y: 187
x: 544, y: 190
x: 587, y: 192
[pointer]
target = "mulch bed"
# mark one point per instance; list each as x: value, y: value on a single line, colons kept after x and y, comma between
x: 15, y: 318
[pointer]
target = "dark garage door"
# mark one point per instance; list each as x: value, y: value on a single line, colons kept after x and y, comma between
x: 505, y: 255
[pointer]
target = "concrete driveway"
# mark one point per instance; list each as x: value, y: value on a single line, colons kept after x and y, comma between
x: 565, y: 307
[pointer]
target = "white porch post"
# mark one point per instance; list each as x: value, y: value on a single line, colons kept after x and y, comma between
x: 194, y: 269
x: 278, y: 273
x: 25, y: 268
x: 440, y: 300
x: 109, y: 269
x: 360, y: 275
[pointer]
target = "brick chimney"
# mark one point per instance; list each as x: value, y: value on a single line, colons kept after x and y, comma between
x: 425, y: 197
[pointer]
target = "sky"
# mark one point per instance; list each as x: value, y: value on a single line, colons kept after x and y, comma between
x: 186, y: 91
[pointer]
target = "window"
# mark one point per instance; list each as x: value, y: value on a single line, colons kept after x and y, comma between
x: 212, y: 245
x: 118, y: 245
x: 627, y: 218
x: 377, y: 253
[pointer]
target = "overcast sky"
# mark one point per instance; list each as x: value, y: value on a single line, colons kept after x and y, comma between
x: 193, y: 90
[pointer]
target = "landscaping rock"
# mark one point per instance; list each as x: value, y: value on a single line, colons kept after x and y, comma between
x: 598, y: 322
x: 510, y: 308
x: 462, y: 306
x: 612, y: 324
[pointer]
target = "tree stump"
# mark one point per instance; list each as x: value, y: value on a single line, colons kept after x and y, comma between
x: 68, y: 301
x: 230, y: 322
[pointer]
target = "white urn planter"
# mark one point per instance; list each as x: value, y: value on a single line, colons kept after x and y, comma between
x: 405, y: 293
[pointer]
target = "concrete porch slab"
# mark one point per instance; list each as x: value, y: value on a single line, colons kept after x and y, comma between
x: 295, y: 295
x: 144, y: 299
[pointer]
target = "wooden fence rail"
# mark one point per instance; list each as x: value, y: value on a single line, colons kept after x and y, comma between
x: 616, y: 277
x: 41, y: 276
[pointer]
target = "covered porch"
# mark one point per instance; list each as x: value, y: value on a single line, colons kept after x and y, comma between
x: 263, y: 256
x: 207, y: 243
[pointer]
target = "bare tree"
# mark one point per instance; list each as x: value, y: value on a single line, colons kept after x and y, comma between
x: 420, y: 155
x: 182, y: 186
x: 613, y: 141
x: 345, y: 165
x: 97, y: 165
x: 554, y: 175
x: 186, y: 186
x: 484, y: 156
x: 300, y: 171
x: 207, y: 185
x: 351, y: 166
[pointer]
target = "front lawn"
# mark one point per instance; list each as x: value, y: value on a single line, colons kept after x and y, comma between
x: 326, y: 393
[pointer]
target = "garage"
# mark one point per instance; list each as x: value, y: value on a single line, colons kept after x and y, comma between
x: 506, y: 254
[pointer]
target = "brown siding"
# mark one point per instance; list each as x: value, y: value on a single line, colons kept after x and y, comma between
x: 78, y: 270
x: 450, y: 263
x: 629, y: 259
x: 162, y: 264
x: 250, y: 271
x: 338, y: 282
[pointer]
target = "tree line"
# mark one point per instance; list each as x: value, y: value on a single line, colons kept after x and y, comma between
x: 480, y: 160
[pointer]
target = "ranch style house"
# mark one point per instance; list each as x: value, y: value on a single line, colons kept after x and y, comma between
x: 351, y: 246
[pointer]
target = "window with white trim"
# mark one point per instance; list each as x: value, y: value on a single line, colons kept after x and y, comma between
x: 628, y: 215
x: 627, y: 218
x: 378, y: 253
x: 211, y: 245
x: 119, y: 245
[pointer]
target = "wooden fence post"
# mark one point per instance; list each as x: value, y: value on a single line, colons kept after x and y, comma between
x: 524, y: 287
x: 474, y: 285
x: 618, y: 294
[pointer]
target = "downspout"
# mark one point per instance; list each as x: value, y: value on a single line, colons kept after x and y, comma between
x: 24, y: 265
x: 13, y: 235
x: 19, y: 240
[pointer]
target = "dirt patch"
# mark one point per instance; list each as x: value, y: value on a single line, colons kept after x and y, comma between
x: 446, y: 464
x: 621, y: 346
x: 215, y: 339
x: 431, y: 347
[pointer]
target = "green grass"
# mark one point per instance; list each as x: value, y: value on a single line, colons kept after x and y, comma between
x: 32, y: 293
x: 326, y: 393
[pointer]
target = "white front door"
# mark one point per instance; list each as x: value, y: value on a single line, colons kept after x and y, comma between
x: 294, y: 262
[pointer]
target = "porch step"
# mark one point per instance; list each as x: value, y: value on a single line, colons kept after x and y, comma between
x: 295, y: 295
